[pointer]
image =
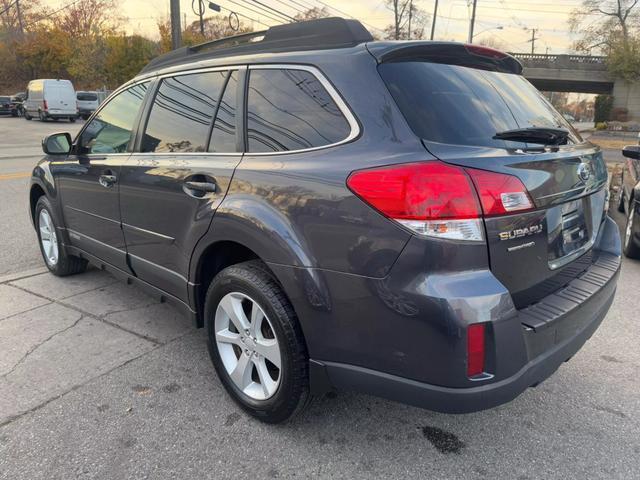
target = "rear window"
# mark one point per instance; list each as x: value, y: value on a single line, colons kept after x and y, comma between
x: 87, y: 97
x: 4, y: 99
x: 291, y: 110
x: 465, y: 106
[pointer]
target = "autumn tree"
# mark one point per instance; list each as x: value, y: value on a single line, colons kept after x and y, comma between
x: 215, y: 27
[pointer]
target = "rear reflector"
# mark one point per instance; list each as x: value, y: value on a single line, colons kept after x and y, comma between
x: 475, y: 349
x: 431, y: 198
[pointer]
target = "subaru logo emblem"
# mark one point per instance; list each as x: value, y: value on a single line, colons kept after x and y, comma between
x: 584, y: 172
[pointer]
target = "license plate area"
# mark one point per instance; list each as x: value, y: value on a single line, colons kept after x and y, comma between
x: 572, y: 228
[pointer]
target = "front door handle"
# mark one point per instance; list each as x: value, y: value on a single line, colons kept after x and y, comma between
x: 107, y: 181
x: 205, y: 187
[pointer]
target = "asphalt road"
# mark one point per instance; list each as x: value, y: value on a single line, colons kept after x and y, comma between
x: 19, y: 152
x: 98, y: 380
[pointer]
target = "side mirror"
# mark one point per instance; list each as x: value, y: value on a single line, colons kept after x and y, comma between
x: 57, y: 144
x: 631, y: 151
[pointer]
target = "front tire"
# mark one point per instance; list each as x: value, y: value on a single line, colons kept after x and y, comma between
x: 255, y: 342
x: 55, y: 257
x: 631, y: 248
x: 27, y: 116
x: 72, y: 119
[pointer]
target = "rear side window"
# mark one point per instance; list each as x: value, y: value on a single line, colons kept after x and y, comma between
x: 182, y: 113
x: 465, y: 106
x: 291, y: 110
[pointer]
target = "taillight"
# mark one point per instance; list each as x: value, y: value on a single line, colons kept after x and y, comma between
x: 500, y: 193
x: 44, y: 104
x: 440, y: 200
x: 431, y: 198
x: 475, y: 349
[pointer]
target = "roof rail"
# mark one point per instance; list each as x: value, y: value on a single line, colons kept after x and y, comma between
x: 323, y: 33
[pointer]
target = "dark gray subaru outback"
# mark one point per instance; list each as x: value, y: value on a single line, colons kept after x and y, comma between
x: 407, y: 219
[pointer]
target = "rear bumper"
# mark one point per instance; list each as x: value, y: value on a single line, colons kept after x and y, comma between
x: 566, y: 332
x: 524, y: 347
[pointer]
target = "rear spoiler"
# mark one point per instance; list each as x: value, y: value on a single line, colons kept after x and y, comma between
x: 449, y: 53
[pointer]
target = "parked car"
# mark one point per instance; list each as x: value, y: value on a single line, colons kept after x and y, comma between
x: 17, y: 104
x: 51, y: 99
x: 343, y: 213
x: 629, y: 201
x: 5, y: 105
x: 87, y: 103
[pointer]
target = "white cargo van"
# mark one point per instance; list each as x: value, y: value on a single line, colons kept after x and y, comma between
x: 48, y: 98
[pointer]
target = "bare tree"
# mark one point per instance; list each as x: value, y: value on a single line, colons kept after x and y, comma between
x: 409, y: 20
x: 313, y: 14
x: 613, y: 23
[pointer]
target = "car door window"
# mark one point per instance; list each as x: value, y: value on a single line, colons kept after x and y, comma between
x: 291, y: 110
x: 223, y: 136
x: 182, y: 113
x: 111, y: 129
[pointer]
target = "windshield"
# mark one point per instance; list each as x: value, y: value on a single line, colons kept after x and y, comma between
x: 466, y: 106
x: 87, y: 97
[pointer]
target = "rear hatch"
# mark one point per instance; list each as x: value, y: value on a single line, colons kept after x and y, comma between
x: 456, y: 102
x: 61, y: 98
x: 87, y: 100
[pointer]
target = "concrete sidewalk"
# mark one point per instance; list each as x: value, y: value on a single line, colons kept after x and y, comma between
x: 57, y: 334
x: 98, y: 380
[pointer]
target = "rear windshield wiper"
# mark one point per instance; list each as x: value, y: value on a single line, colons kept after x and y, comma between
x: 546, y: 136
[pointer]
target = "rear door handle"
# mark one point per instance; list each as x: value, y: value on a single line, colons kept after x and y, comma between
x: 205, y: 187
x: 107, y: 181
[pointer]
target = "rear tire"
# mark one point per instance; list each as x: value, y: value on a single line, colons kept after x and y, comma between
x: 72, y: 119
x: 27, y: 116
x: 631, y: 248
x: 246, y: 288
x: 53, y: 254
x: 41, y: 117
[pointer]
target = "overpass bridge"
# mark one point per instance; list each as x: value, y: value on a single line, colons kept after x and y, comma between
x: 582, y: 74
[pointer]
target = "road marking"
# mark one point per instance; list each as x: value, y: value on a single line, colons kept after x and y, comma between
x: 11, y: 176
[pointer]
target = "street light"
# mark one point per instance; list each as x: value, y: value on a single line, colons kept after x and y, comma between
x: 499, y: 27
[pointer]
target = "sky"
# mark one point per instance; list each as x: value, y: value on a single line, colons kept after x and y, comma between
x: 516, y: 17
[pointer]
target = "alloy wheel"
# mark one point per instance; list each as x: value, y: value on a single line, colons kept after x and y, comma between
x: 248, y: 346
x: 48, y: 238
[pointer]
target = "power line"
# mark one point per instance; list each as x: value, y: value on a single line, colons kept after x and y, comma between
x: 256, y: 11
x: 289, y: 17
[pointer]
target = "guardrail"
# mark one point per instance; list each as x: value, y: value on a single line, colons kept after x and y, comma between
x: 593, y: 62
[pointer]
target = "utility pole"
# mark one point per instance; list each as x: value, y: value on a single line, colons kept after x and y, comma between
x: 433, y: 22
x: 410, y: 14
x: 473, y: 21
x: 533, y: 40
x: 200, y: 14
x: 176, y: 31
x: 19, y: 12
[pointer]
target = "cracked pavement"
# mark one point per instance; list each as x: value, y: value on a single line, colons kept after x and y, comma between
x: 100, y: 381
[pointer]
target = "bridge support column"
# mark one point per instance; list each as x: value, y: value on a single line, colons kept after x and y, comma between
x: 627, y: 95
